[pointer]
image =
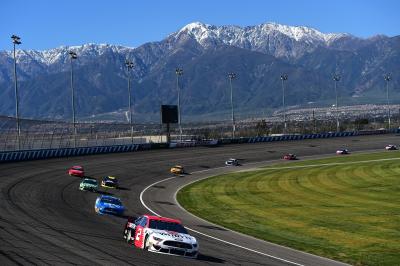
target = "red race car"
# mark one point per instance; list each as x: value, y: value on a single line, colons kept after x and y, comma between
x: 289, y: 157
x: 161, y: 235
x: 76, y: 171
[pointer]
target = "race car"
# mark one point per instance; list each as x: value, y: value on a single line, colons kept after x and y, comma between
x: 391, y: 147
x: 289, y: 156
x: 88, y: 184
x: 160, y: 234
x: 109, y: 204
x: 177, y: 169
x: 342, y: 151
x: 76, y: 171
x: 109, y: 182
x: 232, y: 162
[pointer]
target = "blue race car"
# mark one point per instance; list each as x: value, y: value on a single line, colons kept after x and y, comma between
x: 109, y: 204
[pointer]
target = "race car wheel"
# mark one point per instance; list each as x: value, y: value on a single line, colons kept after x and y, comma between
x: 146, y: 243
x: 129, y: 236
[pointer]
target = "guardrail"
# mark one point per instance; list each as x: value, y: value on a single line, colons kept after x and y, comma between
x: 24, y: 155
x: 301, y: 137
x: 294, y: 137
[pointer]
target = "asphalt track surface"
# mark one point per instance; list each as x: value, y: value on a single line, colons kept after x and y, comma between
x: 46, y: 220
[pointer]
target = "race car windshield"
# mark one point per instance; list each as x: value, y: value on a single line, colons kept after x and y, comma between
x: 111, y: 201
x: 90, y: 181
x: 77, y: 168
x: 162, y: 225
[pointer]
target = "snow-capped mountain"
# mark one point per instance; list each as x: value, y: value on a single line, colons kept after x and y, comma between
x: 276, y: 39
x: 258, y: 54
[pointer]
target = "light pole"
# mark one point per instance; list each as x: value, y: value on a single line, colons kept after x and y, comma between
x: 73, y: 56
x: 16, y: 41
x: 284, y: 77
x: 336, y: 78
x: 179, y: 72
x: 129, y: 66
x: 387, y: 78
x: 232, y: 76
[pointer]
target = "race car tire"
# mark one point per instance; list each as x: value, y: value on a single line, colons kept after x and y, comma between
x: 129, y: 236
x: 146, y: 243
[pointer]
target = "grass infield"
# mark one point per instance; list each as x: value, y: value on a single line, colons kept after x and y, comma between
x: 346, y: 208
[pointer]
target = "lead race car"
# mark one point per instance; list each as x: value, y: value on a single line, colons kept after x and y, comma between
x: 391, y: 147
x: 162, y: 235
x: 342, y: 152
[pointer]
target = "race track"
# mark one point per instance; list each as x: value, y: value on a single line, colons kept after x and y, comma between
x: 46, y: 220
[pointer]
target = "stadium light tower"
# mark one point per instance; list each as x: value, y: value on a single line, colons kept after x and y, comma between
x: 129, y: 66
x: 232, y: 76
x: 16, y: 41
x: 179, y: 72
x: 73, y: 56
x: 284, y: 77
x: 387, y: 78
x: 336, y: 78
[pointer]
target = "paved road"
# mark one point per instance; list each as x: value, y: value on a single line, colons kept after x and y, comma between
x: 45, y: 219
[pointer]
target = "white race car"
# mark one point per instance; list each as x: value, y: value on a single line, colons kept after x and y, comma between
x: 160, y: 234
x: 232, y: 162
x: 391, y: 147
x: 342, y: 151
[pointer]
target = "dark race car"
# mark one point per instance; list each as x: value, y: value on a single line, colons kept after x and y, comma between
x: 109, y: 182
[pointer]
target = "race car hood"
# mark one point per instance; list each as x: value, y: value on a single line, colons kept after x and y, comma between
x: 169, y: 235
x: 109, y: 182
x: 76, y: 170
x: 88, y: 185
x: 112, y: 206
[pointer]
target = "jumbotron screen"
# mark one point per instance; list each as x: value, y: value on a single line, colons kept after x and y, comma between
x: 169, y: 114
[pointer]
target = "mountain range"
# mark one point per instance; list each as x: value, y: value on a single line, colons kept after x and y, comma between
x: 206, y: 53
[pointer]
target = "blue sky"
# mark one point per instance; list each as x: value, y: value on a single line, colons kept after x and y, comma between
x: 44, y: 24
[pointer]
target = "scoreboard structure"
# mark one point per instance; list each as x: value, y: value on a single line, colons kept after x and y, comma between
x: 169, y: 115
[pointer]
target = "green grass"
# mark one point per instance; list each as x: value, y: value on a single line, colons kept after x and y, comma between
x: 349, y: 211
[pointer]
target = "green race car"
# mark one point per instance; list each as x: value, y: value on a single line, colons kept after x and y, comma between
x: 88, y: 184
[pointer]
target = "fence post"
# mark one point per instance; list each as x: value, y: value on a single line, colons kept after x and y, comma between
x: 5, y: 141
x: 51, y: 139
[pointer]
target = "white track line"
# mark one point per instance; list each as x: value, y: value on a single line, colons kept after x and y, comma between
x: 212, y: 237
x: 266, y: 168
